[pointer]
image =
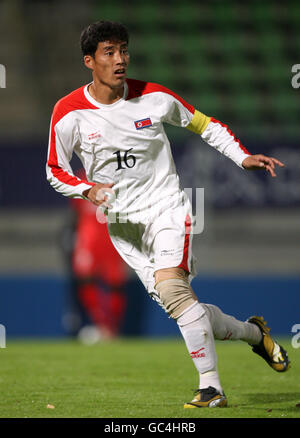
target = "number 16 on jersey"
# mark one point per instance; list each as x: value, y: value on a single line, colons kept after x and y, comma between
x: 129, y: 160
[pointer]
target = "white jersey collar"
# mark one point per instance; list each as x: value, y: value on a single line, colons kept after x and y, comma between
x: 102, y: 105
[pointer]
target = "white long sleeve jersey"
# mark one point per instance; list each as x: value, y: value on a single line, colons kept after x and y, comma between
x: 125, y: 143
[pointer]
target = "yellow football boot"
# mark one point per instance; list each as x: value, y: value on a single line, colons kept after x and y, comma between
x: 273, y: 353
x: 207, y: 398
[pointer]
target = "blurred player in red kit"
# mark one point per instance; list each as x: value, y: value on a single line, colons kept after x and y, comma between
x: 100, y: 272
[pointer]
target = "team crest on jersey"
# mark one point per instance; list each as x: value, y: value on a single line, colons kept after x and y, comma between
x: 144, y: 123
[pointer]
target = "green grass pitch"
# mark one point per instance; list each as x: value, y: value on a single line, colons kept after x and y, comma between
x: 138, y: 378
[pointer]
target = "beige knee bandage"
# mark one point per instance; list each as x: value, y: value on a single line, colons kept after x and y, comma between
x: 176, y: 295
x: 170, y: 273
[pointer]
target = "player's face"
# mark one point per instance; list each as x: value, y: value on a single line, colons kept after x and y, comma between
x: 110, y: 63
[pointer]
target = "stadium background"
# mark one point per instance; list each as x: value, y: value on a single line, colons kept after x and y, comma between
x: 232, y: 60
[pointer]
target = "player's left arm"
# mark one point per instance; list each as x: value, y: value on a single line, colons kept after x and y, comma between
x: 213, y: 132
x: 219, y: 136
x: 260, y: 161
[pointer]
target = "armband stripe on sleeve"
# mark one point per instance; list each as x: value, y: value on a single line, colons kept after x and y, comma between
x: 199, y: 122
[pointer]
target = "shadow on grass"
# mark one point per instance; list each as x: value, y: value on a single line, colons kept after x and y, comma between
x: 263, y: 405
x: 279, y: 397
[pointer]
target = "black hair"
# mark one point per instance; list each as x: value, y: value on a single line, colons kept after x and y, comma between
x: 99, y: 32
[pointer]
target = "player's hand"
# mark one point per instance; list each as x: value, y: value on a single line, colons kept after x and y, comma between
x: 96, y: 194
x: 254, y: 162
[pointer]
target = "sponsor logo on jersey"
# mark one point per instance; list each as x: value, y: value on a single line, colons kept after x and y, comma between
x: 144, y: 123
x: 166, y: 252
x: 94, y: 135
x: 195, y: 354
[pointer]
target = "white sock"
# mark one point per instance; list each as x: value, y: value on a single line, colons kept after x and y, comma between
x: 198, y: 335
x: 227, y: 327
x: 210, y: 378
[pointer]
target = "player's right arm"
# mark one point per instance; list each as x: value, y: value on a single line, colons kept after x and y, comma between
x: 98, y: 194
x: 63, y: 137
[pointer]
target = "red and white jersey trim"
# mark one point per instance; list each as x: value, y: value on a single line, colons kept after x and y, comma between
x: 187, y: 250
x: 138, y: 88
x: 219, y: 136
x: 57, y: 175
x: 77, y: 117
x: 102, y: 135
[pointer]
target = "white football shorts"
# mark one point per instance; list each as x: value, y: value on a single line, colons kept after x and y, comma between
x: 161, y: 238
